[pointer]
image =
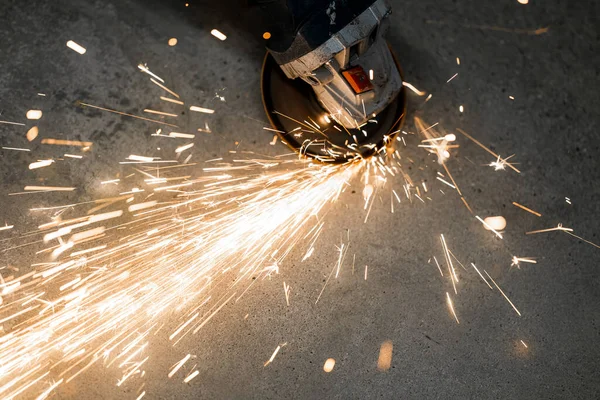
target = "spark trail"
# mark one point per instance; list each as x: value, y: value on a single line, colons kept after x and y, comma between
x: 109, y: 286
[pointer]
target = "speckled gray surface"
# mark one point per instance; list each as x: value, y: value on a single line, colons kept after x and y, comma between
x: 551, y: 126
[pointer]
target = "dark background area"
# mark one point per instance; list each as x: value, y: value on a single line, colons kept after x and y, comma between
x: 544, y: 54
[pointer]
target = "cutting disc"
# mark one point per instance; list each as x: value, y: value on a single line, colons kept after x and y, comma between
x: 301, y: 123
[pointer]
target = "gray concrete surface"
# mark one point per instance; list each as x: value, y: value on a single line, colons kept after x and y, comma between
x: 551, y: 126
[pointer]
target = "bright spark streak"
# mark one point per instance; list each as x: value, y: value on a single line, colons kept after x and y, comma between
x: 144, y: 68
x: 559, y: 227
x: 166, y: 114
x: 166, y: 89
x: 516, y: 260
x: 451, y: 307
x: 202, y: 110
x: 141, y: 206
x: 61, y: 142
x: 15, y: 148
x: 414, y: 89
x: 40, y: 164
x: 126, y: 114
x: 477, y: 142
x: 485, y: 280
x: 47, y: 392
x: 453, y: 276
x: 183, y: 148
x: 270, y: 360
x: 179, y: 365
x: 49, y: 188
x: 438, y: 265
x: 585, y: 240
x: 76, y: 47
x: 171, y: 100
x: 286, y: 290
x: 445, y: 182
x: 182, y: 135
x: 489, y: 227
x: 505, y: 296
x: 219, y: 35
x: 452, y: 77
x: 526, y: 209
x: 12, y: 123
x: 500, y: 163
x: 191, y: 376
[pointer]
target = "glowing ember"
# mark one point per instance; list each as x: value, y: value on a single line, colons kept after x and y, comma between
x: 384, y: 362
x: 34, y: 114
x: 329, y: 364
x: 494, y: 223
x: 32, y: 133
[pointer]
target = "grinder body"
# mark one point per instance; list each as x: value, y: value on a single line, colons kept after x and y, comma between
x: 331, y: 86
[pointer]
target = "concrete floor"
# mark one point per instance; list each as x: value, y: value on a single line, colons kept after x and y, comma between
x: 551, y: 126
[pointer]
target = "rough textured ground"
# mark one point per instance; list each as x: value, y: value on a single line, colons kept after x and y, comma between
x: 551, y: 126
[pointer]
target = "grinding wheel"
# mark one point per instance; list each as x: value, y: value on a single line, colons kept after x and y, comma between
x: 303, y: 124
